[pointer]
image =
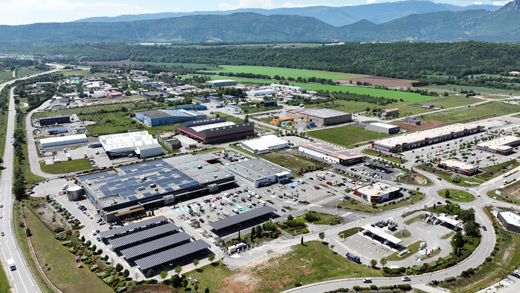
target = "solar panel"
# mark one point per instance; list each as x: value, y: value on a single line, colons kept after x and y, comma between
x: 171, y: 255
x: 142, y: 235
x: 240, y: 218
x: 155, y: 245
x: 131, y: 226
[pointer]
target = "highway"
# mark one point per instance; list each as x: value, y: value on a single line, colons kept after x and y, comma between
x: 21, y: 279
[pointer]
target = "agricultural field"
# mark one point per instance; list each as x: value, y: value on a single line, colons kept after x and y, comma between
x: 85, y: 73
x: 285, y: 72
x: 25, y: 71
x: 481, y: 90
x: 194, y: 66
x: 480, y: 112
x: 347, y: 136
x: 4, y: 75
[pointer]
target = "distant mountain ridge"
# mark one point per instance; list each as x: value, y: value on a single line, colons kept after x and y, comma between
x: 502, y: 25
x: 336, y: 16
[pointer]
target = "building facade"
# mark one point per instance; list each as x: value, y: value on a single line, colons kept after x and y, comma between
x: 458, y: 167
x: 383, y: 128
x: 331, y: 153
x: 320, y: 117
x: 216, y: 130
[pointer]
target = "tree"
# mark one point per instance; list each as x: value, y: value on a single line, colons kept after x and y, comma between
x: 119, y: 267
x: 447, y: 193
x: 195, y: 262
x: 246, y: 119
x: 458, y: 240
x: 126, y: 273
x: 149, y: 273
x: 178, y: 269
x: 184, y: 283
x: 164, y: 274
x: 211, y: 257
x: 238, y: 235
x: 383, y: 261
x: 206, y: 290
x: 253, y: 234
x: 322, y: 236
x: 301, y: 241
x: 196, y: 287
x: 373, y: 263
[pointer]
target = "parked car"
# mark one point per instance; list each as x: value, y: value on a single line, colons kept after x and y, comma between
x: 406, y: 279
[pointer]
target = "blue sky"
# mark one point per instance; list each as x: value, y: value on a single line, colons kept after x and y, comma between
x: 15, y: 12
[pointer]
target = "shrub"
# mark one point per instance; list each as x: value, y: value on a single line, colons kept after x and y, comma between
x: 450, y: 279
x: 373, y: 287
x: 404, y: 287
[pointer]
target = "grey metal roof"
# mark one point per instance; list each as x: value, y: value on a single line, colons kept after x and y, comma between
x: 251, y: 214
x: 170, y: 255
x: 131, y: 226
x: 142, y: 235
x: 155, y: 114
x: 148, y: 247
x: 256, y: 169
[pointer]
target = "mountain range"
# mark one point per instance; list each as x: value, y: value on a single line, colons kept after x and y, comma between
x: 502, y: 25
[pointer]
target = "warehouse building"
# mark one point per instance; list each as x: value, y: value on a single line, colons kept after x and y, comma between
x: 57, y: 130
x: 54, y: 120
x: 264, y: 144
x: 320, y: 117
x: 139, y: 143
x: 510, y: 221
x: 258, y: 172
x: 423, y: 138
x: 219, y: 83
x: 130, y: 191
x: 168, y: 139
x: 288, y: 88
x: 383, y: 128
x: 261, y: 93
x: 331, y: 153
x: 502, y: 145
x: 458, y: 167
x: 377, y: 192
x: 63, y: 140
x: 216, y: 130
x: 165, y: 117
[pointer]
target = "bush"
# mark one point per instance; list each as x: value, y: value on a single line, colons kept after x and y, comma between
x: 305, y: 230
x: 373, y: 287
x: 404, y: 287
x: 450, y: 279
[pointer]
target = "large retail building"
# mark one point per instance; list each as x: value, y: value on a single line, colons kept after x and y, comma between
x: 320, y: 117
x: 216, y: 130
x: 331, y: 153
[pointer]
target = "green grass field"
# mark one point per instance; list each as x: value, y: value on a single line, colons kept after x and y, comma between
x: 414, y: 247
x: 476, y: 113
x: 347, y: 136
x: 59, y: 262
x: 410, y: 97
x: 4, y: 282
x: 85, y: 73
x: 4, y: 75
x: 66, y: 166
x: 292, y: 162
x: 187, y: 65
x: 286, y: 72
x: 25, y: 71
x: 456, y: 195
x: 211, y: 276
x: 482, y: 90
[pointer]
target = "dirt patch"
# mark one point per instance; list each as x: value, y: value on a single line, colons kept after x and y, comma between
x: 420, y: 180
x: 425, y: 126
x: 242, y: 282
x: 378, y: 80
x: 115, y: 63
x: 151, y: 289
x: 51, y: 217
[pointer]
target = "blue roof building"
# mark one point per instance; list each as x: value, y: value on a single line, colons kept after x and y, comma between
x: 165, y: 117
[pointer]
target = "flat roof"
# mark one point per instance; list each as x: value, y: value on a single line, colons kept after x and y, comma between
x: 154, y: 245
x: 240, y: 218
x: 332, y: 150
x: 377, y: 189
x: 142, y: 235
x: 411, y: 138
x: 264, y: 142
x: 449, y: 220
x: 172, y: 254
x: 63, y: 138
x: 458, y: 164
x: 200, y: 128
x: 132, y: 226
x: 384, y: 125
x: 256, y: 169
x: 381, y: 233
x: 501, y: 143
x: 320, y: 113
x: 154, y: 114
x: 54, y: 117
x: 511, y: 218
x: 128, y: 141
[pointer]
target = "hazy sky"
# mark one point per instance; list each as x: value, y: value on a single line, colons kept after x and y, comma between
x: 14, y: 12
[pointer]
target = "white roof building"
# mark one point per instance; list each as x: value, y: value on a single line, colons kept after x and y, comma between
x: 458, y: 164
x: 502, y: 145
x: 123, y: 143
x: 63, y: 140
x: 211, y: 126
x: 264, y: 144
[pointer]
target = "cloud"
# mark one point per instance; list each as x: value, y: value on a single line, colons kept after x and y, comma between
x: 267, y: 4
x: 477, y: 3
x: 500, y: 3
x: 371, y: 1
x: 30, y: 11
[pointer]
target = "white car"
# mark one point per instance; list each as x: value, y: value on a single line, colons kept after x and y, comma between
x: 406, y: 279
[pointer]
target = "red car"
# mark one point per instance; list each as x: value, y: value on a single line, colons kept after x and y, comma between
x: 316, y: 187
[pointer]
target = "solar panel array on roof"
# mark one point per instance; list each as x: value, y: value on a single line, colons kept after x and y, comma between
x: 170, y: 255
x: 240, y: 218
x: 142, y: 235
x: 131, y: 226
x: 157, y: 244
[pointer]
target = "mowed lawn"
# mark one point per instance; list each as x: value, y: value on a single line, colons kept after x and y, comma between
x: 295, y: 163
x: 4, y: 282
x: 59, y: 264
x: 347, y: 136
x: 286, y: 72
x: 66, y: 166
x: 480, y: 112
x: 389, y: 94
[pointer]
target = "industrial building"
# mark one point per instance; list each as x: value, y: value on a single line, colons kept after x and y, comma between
x: 261, y: 93
x: 502, y: 145
x: 510, y: 221
x: 423, y: 138
x: 57, y: 130
x: 390, y: 112
x: 331, y: 153
x: 63, y: 140
x: 377, y: 192
x: 259, y: 172
x: 169, y: 140
x: 320, y: 117
x: 383, y: 128
x: 288, y: 88
x: 242, y: 220
x: 224, y: 82
x: 458, y: 167
x: 54, y: 120
x: 216, y: 130
x: 264, y: 144
x: 165, y: 117
x: 139, y: 143
x: 129, y: 191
